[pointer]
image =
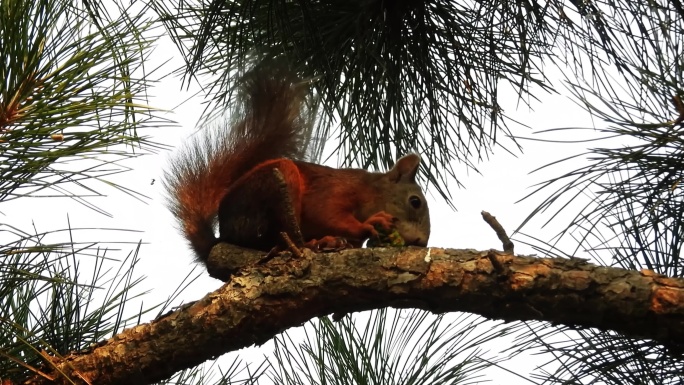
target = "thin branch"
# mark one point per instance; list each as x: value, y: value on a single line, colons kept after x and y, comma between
x: 508, y: 245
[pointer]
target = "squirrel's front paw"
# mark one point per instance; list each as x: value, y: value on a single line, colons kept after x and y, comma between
x: 381, y: 221
x: 384, y: 232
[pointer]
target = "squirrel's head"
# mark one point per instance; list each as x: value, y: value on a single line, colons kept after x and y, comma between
x: 406, y: 201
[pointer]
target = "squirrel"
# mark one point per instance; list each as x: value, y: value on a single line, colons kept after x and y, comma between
x: 255, y: 178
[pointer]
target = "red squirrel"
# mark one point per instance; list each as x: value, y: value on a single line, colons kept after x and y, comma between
x: 253, y: 175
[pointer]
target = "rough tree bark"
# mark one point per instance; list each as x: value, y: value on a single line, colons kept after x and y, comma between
x: 264, y: 299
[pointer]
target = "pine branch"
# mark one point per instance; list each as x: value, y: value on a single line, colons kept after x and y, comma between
x: 263, y: 300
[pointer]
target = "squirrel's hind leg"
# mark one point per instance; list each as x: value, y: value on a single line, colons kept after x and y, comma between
x: 260, y: 205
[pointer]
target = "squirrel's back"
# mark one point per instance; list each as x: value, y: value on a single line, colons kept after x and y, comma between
x: 268, y: 124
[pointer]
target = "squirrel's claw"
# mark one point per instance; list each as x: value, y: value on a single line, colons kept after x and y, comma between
x: 327, y: 244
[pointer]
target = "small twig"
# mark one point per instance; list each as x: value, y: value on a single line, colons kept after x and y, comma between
x: 278, y: 248
x: 291, y: 246
x: 495, y: 261
x: 500, y: 232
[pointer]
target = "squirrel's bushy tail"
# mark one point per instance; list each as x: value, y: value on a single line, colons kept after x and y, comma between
x: 268, y: 124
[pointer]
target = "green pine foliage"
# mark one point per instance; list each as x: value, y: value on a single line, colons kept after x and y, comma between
x: 69, y: 92
x: 387, y: 347
x: 72, y: 99
x: 51, y: 303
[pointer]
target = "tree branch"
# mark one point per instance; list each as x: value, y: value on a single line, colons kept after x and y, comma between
x: 265, y: 299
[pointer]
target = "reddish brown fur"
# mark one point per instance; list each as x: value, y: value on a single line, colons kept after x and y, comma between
x: 341, y: 212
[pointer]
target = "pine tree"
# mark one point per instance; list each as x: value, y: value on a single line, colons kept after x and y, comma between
x: 394, y: 76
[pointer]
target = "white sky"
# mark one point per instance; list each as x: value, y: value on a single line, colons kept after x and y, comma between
x: 165, y: 259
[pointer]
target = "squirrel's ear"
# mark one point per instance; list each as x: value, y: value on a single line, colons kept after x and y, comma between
x: 405, y: 169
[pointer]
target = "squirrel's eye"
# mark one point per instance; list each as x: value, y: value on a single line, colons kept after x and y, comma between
x: 415, y: 202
